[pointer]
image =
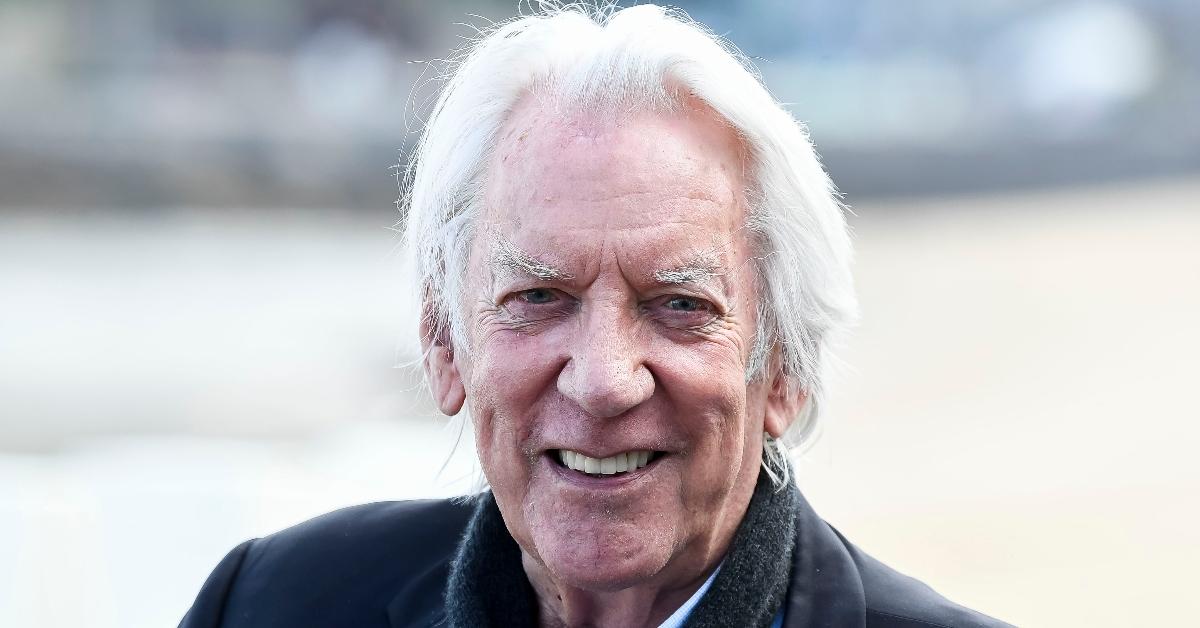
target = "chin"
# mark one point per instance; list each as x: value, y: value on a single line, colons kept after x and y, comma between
x: 604, y: 557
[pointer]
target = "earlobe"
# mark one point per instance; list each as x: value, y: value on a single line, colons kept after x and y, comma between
x: 783, y: 406
x: 441, y: 370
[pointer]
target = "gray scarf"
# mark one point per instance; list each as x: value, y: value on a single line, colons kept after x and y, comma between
x: 487, y: 585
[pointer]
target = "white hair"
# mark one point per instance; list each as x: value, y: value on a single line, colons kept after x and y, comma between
x: 589, y: 58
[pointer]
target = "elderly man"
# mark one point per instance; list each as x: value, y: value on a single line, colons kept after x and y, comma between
x: 631, y: 267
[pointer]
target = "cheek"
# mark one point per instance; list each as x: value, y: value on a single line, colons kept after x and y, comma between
x: 510, y: 369
x: 711, y: 402
x: 703, y: 372
x: 506, y: 381
x: 721, y: 416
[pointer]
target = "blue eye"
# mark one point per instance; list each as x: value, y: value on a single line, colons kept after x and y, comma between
x: 538, y: 296
x: 683, y: 304
x: 683, y: 312
x: 536, y: 305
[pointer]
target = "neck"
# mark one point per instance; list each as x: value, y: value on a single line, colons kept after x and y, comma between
x: 649, y: 602
x: 493, y: 582
x: 645, y: 605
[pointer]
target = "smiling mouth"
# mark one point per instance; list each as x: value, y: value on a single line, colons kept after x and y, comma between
x: 619, y: 464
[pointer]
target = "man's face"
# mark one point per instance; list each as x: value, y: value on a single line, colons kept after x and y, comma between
x: 611, y: 312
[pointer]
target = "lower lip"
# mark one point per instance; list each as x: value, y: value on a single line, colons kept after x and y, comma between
x: 602, y: 482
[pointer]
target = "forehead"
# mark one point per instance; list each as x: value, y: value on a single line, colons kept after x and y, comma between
x: 564, y: 180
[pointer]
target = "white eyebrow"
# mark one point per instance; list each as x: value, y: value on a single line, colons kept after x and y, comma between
x: 699, y: 269
x: 684, y: 274
x: 507, y: 256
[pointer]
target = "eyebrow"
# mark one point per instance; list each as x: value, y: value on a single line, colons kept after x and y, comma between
x: 508, y: 257
x: 700, y: 268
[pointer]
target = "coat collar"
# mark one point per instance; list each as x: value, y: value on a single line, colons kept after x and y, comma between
x: 487, y: 584
x: 825, y: 589
x: 753, y: 580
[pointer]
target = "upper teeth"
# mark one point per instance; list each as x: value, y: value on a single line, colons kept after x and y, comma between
x: 627, y: 461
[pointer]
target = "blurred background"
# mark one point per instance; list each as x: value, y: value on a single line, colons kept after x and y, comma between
x: 202, y: 324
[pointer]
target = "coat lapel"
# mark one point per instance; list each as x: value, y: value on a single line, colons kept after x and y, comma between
x: 825, y: 591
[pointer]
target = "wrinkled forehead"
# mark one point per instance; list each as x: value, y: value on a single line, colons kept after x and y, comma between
x: 680, y: 166
x: 688, y: 124
x: 665, y: 189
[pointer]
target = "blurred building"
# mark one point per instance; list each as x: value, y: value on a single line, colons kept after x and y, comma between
x: 134, y: 103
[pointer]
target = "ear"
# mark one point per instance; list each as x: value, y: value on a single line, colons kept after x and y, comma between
x: 784, y: 403
x: 445, y: 381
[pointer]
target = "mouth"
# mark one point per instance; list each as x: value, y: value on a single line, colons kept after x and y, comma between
x: 619, y: 465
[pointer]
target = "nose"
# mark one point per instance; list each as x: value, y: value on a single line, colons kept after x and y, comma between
x: 606, y: 373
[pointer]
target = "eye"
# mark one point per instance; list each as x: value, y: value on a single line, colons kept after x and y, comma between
x: 537, y: 304
x: 684, y: 304
x: 538, y: 296
x: 683, y: 311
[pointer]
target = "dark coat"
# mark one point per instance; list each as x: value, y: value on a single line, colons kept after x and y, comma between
x: 386, y: 564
